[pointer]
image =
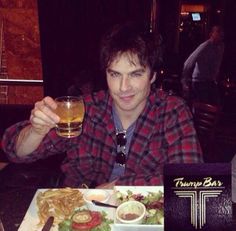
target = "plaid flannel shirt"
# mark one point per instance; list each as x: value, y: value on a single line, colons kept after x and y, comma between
x: 164, y: 133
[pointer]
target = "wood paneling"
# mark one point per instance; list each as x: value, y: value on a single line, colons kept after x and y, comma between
x: 22, y: 48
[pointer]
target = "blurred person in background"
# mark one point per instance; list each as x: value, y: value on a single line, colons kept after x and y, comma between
x: 83, y: 83
x: 130, y: 131
x: 201, y: 70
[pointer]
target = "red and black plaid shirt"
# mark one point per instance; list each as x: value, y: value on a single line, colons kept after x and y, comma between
x: 164, y: 133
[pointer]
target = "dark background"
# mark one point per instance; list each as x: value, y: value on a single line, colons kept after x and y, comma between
x: 70, y: 35
x: 70, y: 32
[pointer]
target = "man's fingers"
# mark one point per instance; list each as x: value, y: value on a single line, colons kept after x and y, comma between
x: 44, y: 111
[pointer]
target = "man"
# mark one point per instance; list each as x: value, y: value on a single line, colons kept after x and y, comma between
x: 129, y: 131
x: 201, y: 69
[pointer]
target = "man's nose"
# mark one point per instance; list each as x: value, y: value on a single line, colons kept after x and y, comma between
x: 125, y: 83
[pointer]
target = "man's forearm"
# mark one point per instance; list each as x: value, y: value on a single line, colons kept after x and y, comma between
x: 28, y: 141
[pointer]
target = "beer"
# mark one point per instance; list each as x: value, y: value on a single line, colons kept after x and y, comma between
x: 70, y: 109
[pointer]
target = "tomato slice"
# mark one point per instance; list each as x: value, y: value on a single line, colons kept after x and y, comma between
x: 95, y: 221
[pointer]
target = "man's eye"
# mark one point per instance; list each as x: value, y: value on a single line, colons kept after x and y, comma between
x: 114, y: 74
x: 136, y: 74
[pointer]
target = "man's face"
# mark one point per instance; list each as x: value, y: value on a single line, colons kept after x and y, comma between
x: 217, y: 35
x: 129, y: 83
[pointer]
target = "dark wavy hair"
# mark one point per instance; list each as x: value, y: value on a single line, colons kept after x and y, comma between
x: 133, y: 39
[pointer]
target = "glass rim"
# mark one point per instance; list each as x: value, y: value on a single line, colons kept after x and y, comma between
x: 68, y: 98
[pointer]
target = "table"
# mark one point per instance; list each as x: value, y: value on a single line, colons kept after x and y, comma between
x: 15, y: 199
x: 13, y: 206
x: 18, y: 184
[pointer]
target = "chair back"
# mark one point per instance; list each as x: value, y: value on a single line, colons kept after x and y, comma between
x: 206, y: 117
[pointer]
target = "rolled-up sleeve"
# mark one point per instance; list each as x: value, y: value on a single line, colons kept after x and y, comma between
x: 51, y: 144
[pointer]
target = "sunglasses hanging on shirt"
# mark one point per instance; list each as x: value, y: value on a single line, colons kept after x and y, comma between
x: 121, y: 143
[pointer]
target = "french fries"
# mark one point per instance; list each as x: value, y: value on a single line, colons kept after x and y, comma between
x: 59, y: 203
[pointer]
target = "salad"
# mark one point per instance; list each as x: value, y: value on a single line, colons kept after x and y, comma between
x: 153, y: 201
x: 86, y: 220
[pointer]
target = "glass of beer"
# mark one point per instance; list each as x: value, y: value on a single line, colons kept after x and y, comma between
x: 70, y: 109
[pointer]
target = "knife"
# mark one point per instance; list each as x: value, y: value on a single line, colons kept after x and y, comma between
x: 48, y: 225
x: 103, y: 204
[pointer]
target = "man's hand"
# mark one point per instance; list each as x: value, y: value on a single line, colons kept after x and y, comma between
x: 42, y: 117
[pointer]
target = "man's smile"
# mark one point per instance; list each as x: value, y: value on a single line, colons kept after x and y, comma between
x: 126, y: 98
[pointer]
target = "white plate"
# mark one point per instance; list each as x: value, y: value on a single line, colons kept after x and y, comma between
x: 144, y: 191
x: 31, y: 220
